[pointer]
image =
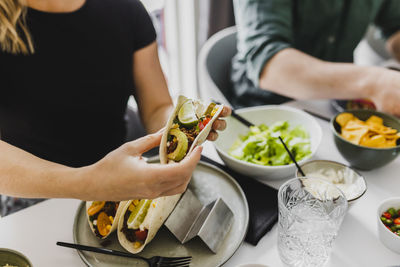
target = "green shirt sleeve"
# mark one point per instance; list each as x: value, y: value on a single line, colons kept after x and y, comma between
x: 264, y: 29
x: 388, y: 17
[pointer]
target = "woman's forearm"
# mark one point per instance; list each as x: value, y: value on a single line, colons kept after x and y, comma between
x: 24, y: 175
x: 152, y: 91
x: 159, y: 118
x: 300, y: 76
x: 121, y: 175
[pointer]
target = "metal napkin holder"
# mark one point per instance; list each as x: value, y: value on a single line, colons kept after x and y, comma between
x: 191, y: 218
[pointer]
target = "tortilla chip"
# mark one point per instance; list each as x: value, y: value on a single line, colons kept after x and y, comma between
x: 391, y: 143
x: 388, y: 131
x: 371, y: 133
x: 355, y: 124
x: 374, y: 141
x: 392, y: 136
x: 344, y: 118
x: 354, y: 136
x: 374, y: 119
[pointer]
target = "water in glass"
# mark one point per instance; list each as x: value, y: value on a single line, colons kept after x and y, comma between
x: 308, y: 223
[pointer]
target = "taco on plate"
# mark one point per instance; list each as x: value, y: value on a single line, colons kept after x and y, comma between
x: 141, y: 220
x: 103, y: 216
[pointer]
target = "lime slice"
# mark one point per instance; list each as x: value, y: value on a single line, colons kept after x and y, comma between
x: 187, y: 115
x: 138, y: 214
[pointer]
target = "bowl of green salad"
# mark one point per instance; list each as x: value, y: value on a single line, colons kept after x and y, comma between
x: 257, y: 151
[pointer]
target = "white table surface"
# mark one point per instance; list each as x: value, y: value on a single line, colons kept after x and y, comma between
x: 35, y: 230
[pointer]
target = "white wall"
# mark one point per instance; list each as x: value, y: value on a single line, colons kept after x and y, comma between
x: 181, y: 17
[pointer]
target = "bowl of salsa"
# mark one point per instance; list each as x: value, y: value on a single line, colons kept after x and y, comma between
x: 389, y: 223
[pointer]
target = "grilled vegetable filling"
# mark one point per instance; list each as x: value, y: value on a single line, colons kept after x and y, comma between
x: 186, y: 128
x: 101, y: 216
x: 133, y: 217
x: 178, y: 146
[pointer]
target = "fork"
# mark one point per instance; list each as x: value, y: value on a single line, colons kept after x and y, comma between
x: 156, y: 261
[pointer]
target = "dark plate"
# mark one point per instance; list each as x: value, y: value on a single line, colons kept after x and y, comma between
x: 208, y: 183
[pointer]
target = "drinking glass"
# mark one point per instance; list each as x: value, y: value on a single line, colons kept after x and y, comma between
x: 311, y: 211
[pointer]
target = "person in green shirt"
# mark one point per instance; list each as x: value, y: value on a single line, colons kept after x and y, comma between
x: 304, y: 50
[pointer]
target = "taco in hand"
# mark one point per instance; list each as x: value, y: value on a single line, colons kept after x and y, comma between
x: 188, y: 126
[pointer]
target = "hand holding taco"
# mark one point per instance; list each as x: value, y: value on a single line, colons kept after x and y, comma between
x: 188, y: 126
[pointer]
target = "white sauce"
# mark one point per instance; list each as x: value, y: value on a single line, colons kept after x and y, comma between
x: 345, y: 179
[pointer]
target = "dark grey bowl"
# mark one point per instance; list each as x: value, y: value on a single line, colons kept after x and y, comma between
x: 361, y: 157
x: 13, y: 258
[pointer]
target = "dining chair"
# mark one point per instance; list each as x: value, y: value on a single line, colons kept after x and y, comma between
x: 377, y: 43
x: 214, y: 65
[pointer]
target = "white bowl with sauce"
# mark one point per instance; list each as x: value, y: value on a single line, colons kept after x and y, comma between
x: 349, y: 181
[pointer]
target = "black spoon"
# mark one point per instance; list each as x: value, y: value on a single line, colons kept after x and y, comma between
x: 292, y: 157
x: 241, y: 119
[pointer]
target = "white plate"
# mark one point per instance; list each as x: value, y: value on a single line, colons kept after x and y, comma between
x: 208, y: 183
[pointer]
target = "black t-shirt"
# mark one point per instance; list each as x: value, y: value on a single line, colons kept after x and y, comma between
x: 66, y: 102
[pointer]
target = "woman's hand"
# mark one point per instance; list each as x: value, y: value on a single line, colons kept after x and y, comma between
x: 123, y: 174
x: 386, y: 92
x: 219, y: 125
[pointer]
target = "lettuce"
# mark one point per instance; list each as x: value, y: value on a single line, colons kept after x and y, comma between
x: 261, y: 145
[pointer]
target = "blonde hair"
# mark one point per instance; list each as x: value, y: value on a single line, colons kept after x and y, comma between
x: 14, y: 34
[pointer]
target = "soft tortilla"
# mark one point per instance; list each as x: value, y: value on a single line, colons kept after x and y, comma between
x: 116, y: 218
x: 158, y: 212
x: 200, y: 109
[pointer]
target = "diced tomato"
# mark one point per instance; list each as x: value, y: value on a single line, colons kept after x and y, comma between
x: 204, y: 122
x: 397, y: 221
x: 201, y: 126
x: 141, y: 235
x: 388, y: 228
x: 387, y: 215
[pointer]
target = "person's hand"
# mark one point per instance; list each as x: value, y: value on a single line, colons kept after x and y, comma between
x: 123, y: 174
x: 219, y: 125
x: 386, y: 92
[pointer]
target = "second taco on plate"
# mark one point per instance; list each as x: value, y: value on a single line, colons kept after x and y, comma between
x: 103, y: 216
x: 141, y: 220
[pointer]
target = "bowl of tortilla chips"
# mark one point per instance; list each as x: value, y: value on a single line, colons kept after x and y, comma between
x: 367, y: 139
